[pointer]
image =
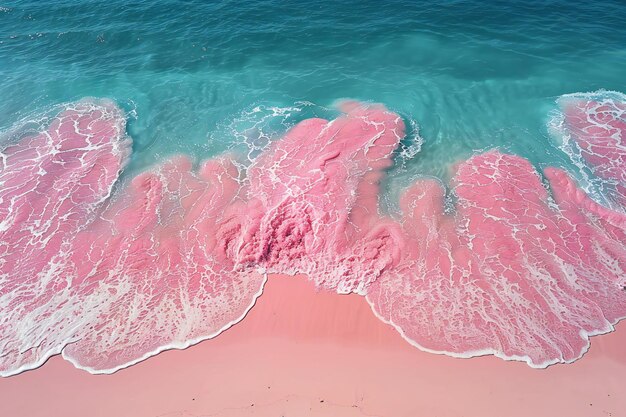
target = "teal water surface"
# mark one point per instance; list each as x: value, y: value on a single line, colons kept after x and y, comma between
x: 199, y: 77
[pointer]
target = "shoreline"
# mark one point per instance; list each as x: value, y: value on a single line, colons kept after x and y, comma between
x: 302, y: 352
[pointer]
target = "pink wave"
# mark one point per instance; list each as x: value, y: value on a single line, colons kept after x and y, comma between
x: 178, y: 256
x: 597, y: 124
x: 51, y: 183
x: 153, y: 259
x: 314, y: 200
x: 509, y: 273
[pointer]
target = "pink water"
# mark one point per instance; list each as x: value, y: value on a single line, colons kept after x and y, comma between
x: 593, y: 128
x: 518, y: 270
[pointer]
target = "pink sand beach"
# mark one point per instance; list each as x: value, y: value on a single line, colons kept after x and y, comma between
x: 302, y: 352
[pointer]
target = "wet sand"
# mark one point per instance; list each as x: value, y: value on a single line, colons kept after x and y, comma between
x: 301, y: 352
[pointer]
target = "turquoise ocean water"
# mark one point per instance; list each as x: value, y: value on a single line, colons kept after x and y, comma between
x: 200, y: 77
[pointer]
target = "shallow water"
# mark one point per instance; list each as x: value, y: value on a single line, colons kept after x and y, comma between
x: 473, y: 74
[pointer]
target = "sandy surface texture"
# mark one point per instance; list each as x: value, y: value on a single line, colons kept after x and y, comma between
x: 306, y: 353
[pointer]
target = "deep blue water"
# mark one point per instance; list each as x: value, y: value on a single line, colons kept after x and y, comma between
x: 198, y: 76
